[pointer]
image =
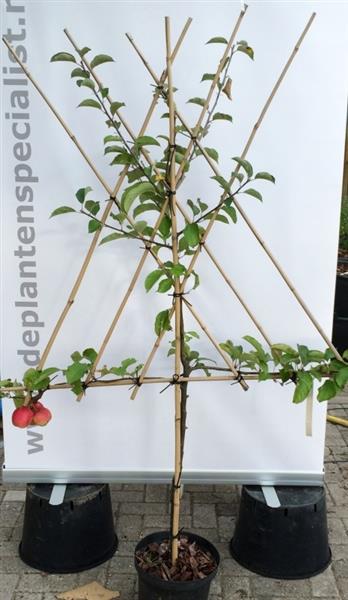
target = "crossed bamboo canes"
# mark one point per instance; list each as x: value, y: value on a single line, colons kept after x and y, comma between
x: 237, y: 205
x: 146, y: 155
x: 113, y: 198
x: 112, y: 193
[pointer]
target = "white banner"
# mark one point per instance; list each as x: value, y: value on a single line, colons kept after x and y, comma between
x: 254, y: 436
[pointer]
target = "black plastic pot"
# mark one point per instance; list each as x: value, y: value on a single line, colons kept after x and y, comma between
x: 340, y: 324
x: 289, y: 542
x: 153, y: 588
x: 73, y: 536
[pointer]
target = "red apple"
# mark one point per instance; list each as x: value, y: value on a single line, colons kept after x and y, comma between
x: 22, y: 416
x: 37, y: 406
x: 42, y: 416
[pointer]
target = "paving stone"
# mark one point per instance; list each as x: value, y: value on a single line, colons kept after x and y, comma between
x: 26, y: 596
x: 236, y: 588
x: 340, y: 560
x: 226, y: 527
x: 99, y: 574
x: 128, y: 496
x: 204, y: 515
x: 122, y: 564
x: 342, y: 584
x: 157, y: 493
x: 5, y: 534
x: 123, y: 583
x: 129, y: 527
x: 276, y: 588
x: 8, y: 586
x: 14, y: 496
x: 337, y: 531
x: 142, y: 508
x: 324, y: 585
x: 162, y: 522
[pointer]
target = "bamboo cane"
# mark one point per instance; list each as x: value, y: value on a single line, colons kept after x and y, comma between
x: 112, y: 193
x: 147, y: 380
x: 177, y: 306
x: 200, y: 119
x: 146, y: 252
x: 237, y: 205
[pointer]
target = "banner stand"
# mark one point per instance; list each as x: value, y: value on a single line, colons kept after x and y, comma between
x: 285, y: 540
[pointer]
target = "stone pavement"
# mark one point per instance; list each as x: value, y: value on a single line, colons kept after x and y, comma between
x: 207, y: 510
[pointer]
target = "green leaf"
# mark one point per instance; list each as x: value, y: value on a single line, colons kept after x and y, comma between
x: 177, y: 269
x: 284, y: 348
x: 145, y: 207
x: 254, y: 343
x: 84, y: 51
x: 316, y: 356
x: 62, y: 210
x: 328, y: 390
x: 87, y: 83
x: 132, y: 192
x: 78, y: 72
x: 304, y: 354
x: 341, y: 378
x: 82, y: 193
x: 77, y: 388
x: 123, y: 158
x: 199, y: 101
x: 345, y: 355
x: 247, y: 50
x: 191, y: 234
x: 224, y: 184
x: 264, y: 175
x: 164, y: 285
x: 152, y: 278
x: 146, y: 140
x: 100, y: 59
x: 220, y: 218
x: 245, y: 165
x: 217, y: 40
x: 219, y: 116
x: 89, y: 102
x: 114, y: 106
x: 165, y: 227
x: 92, y: 207
x: 111, y: 237
x: 211, y: 152
x: 76, y: 356
x: 303, y: 387
x: 63, y: 56
x: 74, y: 372
x: 104, y: 92
x: 236, y: 175
x: 127, y: 362
x: 253, y: 193
x: 231, y: 211
x: 112, y: 138
x: 93, y: 226
x: 90, y: 354
x: 110, y: 149
x: 162, y: 322
x: 208, y: 77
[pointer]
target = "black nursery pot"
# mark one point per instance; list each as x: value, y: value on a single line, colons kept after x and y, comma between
x: 153, y: 588
x: 73, y: 536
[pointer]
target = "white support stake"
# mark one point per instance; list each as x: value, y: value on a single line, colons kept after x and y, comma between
x: 271, y: 496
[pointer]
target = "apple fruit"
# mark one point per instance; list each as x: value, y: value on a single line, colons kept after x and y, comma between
x: 42, y: 416
x: 22, y: 416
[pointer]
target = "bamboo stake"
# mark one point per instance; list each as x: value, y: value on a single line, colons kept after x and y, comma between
x: 177, y: 306
x: 158, y: 222
x: 200, y: 119
x: 112, y: 193
x: 237, y: 205
x: 131, y: 381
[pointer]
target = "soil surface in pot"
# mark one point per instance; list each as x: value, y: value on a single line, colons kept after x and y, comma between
x: 192, y: 564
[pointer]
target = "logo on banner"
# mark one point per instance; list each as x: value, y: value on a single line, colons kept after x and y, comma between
x: 22, y: 201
